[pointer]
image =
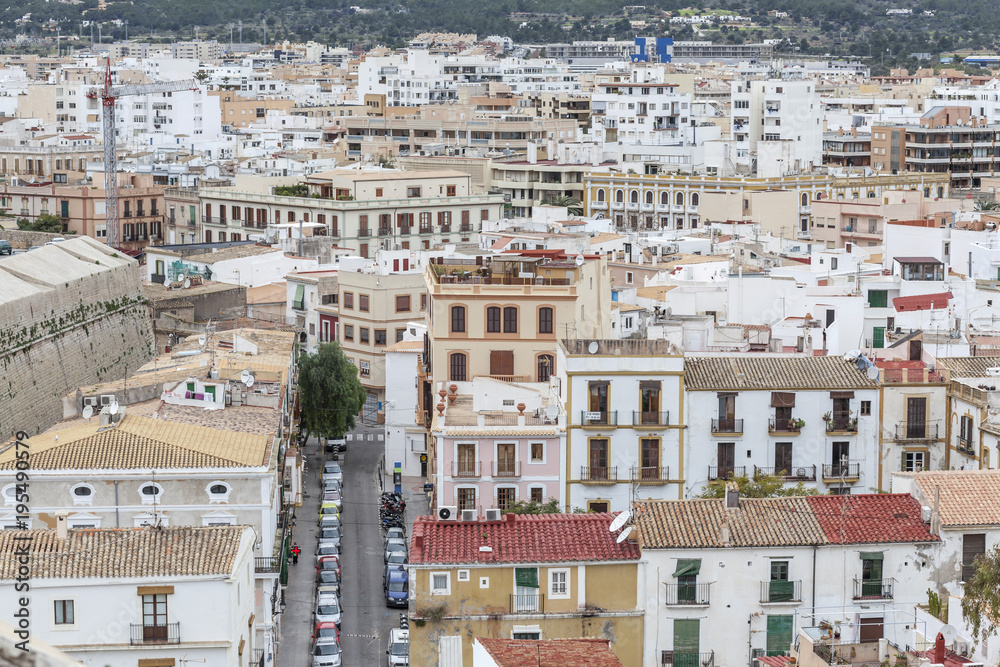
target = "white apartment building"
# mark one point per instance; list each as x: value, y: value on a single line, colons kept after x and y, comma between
x: 405, y: 437
x: 776, y: 126
x: 625, y: 419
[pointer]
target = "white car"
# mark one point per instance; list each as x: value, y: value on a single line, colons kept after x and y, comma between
x: 399, y: 647
x: 393, y: 545
x: 333, y: 471
x: 326, y: 653
x: 328, y: 609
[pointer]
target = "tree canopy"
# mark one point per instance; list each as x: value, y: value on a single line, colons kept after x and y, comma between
x: 760, y: 485
x: 982, y: 596
x: 330, y: 394
x: 46, y: 222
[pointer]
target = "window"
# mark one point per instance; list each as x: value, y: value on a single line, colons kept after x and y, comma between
x: 871, y: 574
x: 650, y: 401
x: 510, y: 319
x: 218, y: 492
x: 687, y: 579
x: 380, y: 336
x: 973, y: 546
x: 866, y: 408
x: 525, y: 589
x: 154, y: 617
x: 533, y: 633
x: 649, y: 458
x: 780, y: 588
x: 363, y: 303
x: 493, y: 319
x: 538, y: 452
x: 458, y: 319
x: 536, y: 494
x: 467, y: 498
x: 463, y: 575
x: 364, y: 334
x: 423, y: 302
x: 965, y: 434
x: 559, y: 583
x: 10, y: 494
x: 457, y: 367
x: 598, y: 459
x: 150, y: 493
x: 506, y: 495
x: 402, y: 303
x: 913, y: 461
x: 440, y: 583
x: 545, y: 324
x: 413, y: 191
x: 83, y: 494
x: 349, y: 332
x: 64, y: 612
x: 597, y: 506
x: 450, y: 190
x: 399, y: 334
x: 348, y: 300
x: 546, y: 367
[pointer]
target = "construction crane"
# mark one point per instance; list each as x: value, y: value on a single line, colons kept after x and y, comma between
x: 108, y: 95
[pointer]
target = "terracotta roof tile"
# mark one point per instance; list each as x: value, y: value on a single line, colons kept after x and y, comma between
x: 766, y: 373
x: 543, y: 538
x: 922, y: 302
x: 551, y: 652
x: 871, y: 518
x: 967, y: 366
x: 123, y: 553
x: 967, y: 497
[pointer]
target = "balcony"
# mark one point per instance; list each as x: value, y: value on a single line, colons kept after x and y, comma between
x: 725, y: 472
x: 142, y: 635
x: 916, y: 431
x: 727, y: 426
x: 465, y: 469
x: 266, y: 565
x: 650, y: 419
x: 445, y: 227
x: 688, y: 594
x: 841, y: 471
x: 780, y: 591
x: 465, y: 227
x: 363, y: 232
x: 507, y: 469
x: 784, y: 426
x: 841, y: 425
x: 598, y: 419
x: 384, y: 231
x: 683, y: 659
x: 601, y: 475
x: 527, y: 604
x: 789, y: 474
x: 258, y: 658
x: 405, y: 230
x: 426, y: 229
x: 965, y: 446
x: 646, y: 475
x: 873, y: 589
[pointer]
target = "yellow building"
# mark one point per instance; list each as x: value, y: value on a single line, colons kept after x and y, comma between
x: 546, y: 576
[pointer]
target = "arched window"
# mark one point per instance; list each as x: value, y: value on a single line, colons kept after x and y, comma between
x: 458, y: 319
x: 619, y: 196
x: 83, y: 494
x: 679, y: 198
x: 805, y: 199
x: 150, y: 493
x: 695, y: 199
x: 457, y: 366
x: 871, y: 194
x: 633, y: 196
x: 10, y: 494
x: 546, y: 367
x: 665, y: 198
x: 218, y: 492
x: 600, y: 195
x: 545, y: 320
x: 649, y: 196
x: 493, y: 319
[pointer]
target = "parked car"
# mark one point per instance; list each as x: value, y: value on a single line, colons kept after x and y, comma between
x: 326, y: 590
x: 393, y: 545
x: 329, y: 520
x: 330, y: 494
x: 332, y: 485
x: 6, y: 248
x: 330, y: 534
x: 327, y: 550
x: 329, y: 563
x: 399, y: 648
x: 396, y: 587
x: 329, y: 507
x: 328, y: 609
x: 396, y: 558
x: 326, y: 653
x: 332, y: 497
x: 394, y: 531
x: 333, y: 471
x: 328, y: 578
x: 325, y: 630
x: 336, y: 444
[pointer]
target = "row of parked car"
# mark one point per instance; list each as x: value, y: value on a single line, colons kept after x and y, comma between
x: 395, y: 579
x: 328, y: 612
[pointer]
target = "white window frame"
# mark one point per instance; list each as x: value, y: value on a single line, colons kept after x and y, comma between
x: 150, y: 500
x: 63, y: 626
x: 82, y: 500
x: 9, y: 522
x: 147, y: 519
x: 218, y: 518
x: 535, y: 486
x: 9, y: 494
x: 484, y: 582
x: 628, y: 277
x: 463, y: 575
x: 215, y: 498
x: 526, y: 629
x: 545, y: 452
x: 552, y: 594
x: 83, y: 520
x: 440, y: 591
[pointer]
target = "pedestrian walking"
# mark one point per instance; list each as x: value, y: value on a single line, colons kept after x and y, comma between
x: 295, y: 553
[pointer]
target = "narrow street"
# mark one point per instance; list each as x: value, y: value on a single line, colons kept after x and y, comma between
x: 367, y: 621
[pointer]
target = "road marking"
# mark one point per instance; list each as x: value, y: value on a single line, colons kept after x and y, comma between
x: 371, y: 437
x: 381, y: 437
x: 360, y: 636
x: 350, y: 436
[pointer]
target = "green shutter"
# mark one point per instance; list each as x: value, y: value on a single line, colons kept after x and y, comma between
x: 781, y: 591
x: 779, y: 634
x: 526, y: 577
x: 686, y: 642
x: 871, y: 555
x: 878, y: 337
x: 300, y: 291
x: 688, y: 568
x: 878, y: 298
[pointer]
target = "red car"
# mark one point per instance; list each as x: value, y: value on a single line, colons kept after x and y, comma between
x: 325, y: 629
x: 328, y: 563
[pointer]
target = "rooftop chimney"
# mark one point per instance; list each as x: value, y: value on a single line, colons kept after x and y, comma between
x: 732, y: 496
x: 61, y: 527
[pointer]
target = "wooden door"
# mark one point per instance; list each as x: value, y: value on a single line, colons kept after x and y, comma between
x: 916, y: 417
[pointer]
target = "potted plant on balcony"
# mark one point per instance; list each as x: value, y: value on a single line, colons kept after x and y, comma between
x: 854, y: 424
x: 796, y: 424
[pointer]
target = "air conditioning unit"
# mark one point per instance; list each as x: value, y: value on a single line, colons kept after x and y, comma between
x: 448, y: 513
x: 493, y: 515
x: 92, y: 401
x: 107, y: 399
x: 470, y: 515
x: 961, y: 647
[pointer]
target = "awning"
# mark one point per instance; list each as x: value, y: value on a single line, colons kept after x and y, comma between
x: 526, y: 577
x: 782, y: 399
x: 841, y: 394
x: 688, y: 568
x: 650, y: 384
x: 871, y: 555
x: 726, y: 394
x: 299, y: 297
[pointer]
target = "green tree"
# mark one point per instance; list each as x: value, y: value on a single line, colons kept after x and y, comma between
x: 760, y: 485
x: 330, y: 394
x: 297, y: 190
x: 573, y: 205
x: 982, y: 596
x: 987, y: 205
x: 46, y: 222
x: 534, y: 507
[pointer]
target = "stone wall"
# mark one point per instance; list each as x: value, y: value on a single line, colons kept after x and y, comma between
x: 57, y: 337
x: 22, y: 240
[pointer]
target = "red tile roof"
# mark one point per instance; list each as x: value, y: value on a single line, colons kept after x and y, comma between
x: 922, y: 302
x: 870, y: 518
x: 551, y: 652
x: 542, y: 538
x: 773, y: 660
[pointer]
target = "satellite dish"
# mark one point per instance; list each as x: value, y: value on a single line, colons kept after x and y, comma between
x: 201, y: 341
x: 187, y: 283
x: 624, y: 534
x: 88, y: 412
x: 244, y: 376
x: 852, y: 355
x: 593, y: 347
x: 113, y: 408
x: 949, y: 633
x: 872, y: 373
x: 551, y: 412
x: 668, y: 312
x: 620, y: 521
x: 580, y: 260
x: 249, y: 381
x: 579, y: 247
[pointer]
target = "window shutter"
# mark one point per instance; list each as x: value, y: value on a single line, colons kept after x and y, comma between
x: 688, y: 568
x: 686, y: 640
x: 781, y: 399
x: 779, y: 634
x: 526, y: 577
x: 871, y: 555
x: 841, y: 394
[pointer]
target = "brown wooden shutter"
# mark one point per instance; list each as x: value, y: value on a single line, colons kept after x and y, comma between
x: 841, y: 394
